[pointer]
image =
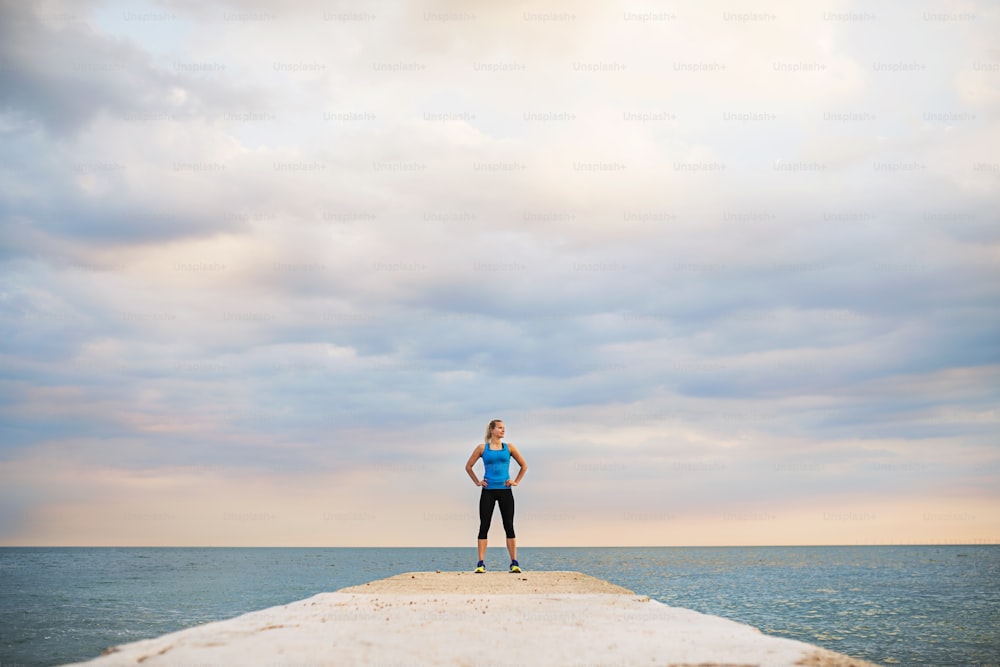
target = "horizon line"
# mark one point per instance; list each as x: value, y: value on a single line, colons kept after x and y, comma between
x: 463, y: 546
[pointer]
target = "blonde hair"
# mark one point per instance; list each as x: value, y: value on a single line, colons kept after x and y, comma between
x: 489, y: 429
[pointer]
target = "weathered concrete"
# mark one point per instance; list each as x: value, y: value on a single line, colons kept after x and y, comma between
x: 460, y: 618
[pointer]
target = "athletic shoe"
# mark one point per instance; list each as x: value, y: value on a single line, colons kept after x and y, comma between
x: 514, y: 567
x: 480, y: 568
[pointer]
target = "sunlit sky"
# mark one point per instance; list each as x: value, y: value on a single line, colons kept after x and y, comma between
x: 727, y: 271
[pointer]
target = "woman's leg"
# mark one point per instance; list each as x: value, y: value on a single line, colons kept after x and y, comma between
x: 506, y: 501
x: 486, y: 500
x: 512, y: 547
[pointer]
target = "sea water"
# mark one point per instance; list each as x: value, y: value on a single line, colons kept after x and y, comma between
x: 894, y: 605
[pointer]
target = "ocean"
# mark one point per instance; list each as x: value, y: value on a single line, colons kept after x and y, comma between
x: 894, y: 605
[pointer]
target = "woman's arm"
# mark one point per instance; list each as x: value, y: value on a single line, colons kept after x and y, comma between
x: 516, y: 455
x: 476, y: 453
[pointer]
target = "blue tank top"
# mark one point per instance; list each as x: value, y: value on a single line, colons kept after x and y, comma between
x: 496, y: 463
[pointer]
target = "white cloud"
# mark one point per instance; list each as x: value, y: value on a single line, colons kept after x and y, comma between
x: 258, y: 239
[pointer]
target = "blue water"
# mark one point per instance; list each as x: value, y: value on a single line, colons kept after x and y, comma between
x: 924, y: 605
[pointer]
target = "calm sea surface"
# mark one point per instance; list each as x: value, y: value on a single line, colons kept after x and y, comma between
x: 901, y: 605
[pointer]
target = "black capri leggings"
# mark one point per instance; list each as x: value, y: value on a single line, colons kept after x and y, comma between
x: 506, y: 499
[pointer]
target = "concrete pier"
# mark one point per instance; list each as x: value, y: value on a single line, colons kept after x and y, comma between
x: 480, y: 620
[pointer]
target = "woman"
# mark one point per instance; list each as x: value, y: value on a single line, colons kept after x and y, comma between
x: 496, y: 483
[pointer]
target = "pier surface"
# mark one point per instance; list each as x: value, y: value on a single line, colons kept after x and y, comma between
x: 461, y: 618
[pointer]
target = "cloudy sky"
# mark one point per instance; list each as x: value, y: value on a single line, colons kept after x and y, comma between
x: 728, y: 271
